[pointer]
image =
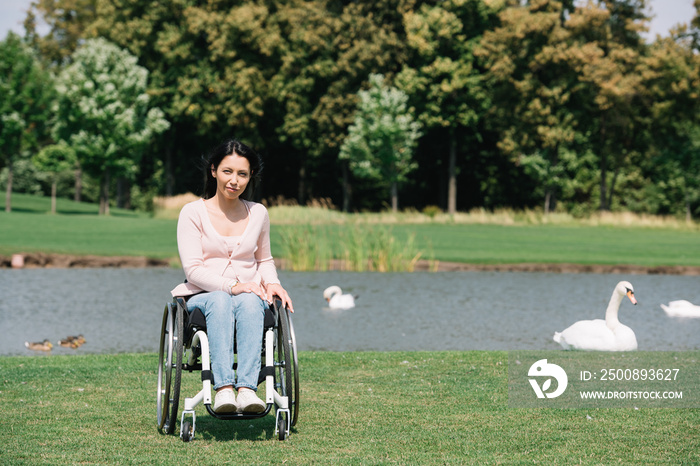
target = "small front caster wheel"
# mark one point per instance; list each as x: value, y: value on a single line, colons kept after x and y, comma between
x: 282, y: 427
x: 187, y: 433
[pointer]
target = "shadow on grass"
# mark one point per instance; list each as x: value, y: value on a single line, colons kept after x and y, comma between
x: 210, y: 428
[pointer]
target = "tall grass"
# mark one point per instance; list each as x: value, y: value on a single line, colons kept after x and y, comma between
x: 354, y: 247
x: 306, y: 247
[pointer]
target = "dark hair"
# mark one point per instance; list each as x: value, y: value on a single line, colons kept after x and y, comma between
x: 226, y: 148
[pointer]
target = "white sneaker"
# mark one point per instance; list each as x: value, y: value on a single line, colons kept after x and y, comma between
x: 249, y: 403
x: 225, y: 401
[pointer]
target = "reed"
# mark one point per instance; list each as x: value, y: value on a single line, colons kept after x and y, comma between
x: 306, y: 247
x: 355, y: 247
x: 388, y: 254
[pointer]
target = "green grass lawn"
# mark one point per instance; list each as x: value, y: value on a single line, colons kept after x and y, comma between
x: 560, y: 244
x: 79, y: 230
x: 356, y: 408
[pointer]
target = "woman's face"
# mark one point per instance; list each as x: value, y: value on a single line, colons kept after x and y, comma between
x: 232, y: 176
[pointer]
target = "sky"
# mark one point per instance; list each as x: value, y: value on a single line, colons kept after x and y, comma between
x: 668, y: 13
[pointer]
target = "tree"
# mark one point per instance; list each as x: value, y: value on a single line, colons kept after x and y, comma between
x: 210, y: 67
x: 68, y: 22
x: 25, y: 96
x: 443, y: 79
x: 325, y: 50
x: 571, y: 86
x: 605, y: 52
x: 55, y: 159
x: 381, y: 140
x: 671, y: 74
x: 103, y: 112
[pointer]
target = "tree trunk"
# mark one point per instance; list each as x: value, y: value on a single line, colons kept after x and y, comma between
x: 54, y: 183
x: 123, y: 193
x: 603, y: 184
x: 104, y: 195
x: 612, y: 188
x: 347, y: 189
x: 394, y: 197
x: 547, y: 200
x: 603, y: 169
x: 452, y: 176
x: 169, y: 176
x: 8, y: 193
x: 301, y: 190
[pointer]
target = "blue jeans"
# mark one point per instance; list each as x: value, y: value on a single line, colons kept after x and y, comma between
x: 244, y: 314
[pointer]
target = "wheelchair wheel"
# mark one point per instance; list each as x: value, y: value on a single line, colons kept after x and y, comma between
x: 288, y: 374
x: 282, y: 427
x: 187, y: 433
x: 169, y: 358
x: 165, y: 356
x: 295, y: 370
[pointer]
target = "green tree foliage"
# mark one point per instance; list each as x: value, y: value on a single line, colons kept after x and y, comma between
x: 608, y: 33
x: 103, y: 112
x: 524, y: 103
x: 381, y: 141
x: 282, y: 76
x: 326, y: 51
x: 68, y: 22
x: 25, y: 96
x: 671, y: 78
x: 442, y: 76
x: 177, y: 57
x: 565, y: 79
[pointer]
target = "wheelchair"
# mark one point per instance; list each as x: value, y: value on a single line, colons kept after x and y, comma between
x: 184, y: 346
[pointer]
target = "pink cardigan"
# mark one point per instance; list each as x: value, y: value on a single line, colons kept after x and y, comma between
x: 205, y: 258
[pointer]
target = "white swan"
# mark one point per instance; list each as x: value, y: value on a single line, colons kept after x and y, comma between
x: 602, y: 335
x: 681, y: 308
x: 337, y: 300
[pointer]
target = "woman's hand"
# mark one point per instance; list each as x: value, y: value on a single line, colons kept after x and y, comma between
x: 275, y: 289
x: 249, y: 287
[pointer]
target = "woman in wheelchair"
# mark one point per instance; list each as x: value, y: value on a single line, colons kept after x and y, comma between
x: 224, y: 245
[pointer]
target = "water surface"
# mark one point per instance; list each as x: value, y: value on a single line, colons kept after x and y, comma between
x: 120, y: 310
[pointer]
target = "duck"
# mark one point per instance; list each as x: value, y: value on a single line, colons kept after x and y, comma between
x: 681, y: 308
x: 80, y: 339
x: 602, y: 335
x: 67, y: 343
x: 337, y: 300
x: 72, y: 341
x: 39, y: 346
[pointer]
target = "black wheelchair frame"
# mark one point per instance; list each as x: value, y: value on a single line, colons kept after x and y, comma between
x: 184, y: 346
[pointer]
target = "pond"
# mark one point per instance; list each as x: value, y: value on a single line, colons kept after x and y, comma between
x: 120, y: 310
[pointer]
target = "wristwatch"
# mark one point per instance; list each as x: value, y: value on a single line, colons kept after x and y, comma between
x: 235, y: 282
